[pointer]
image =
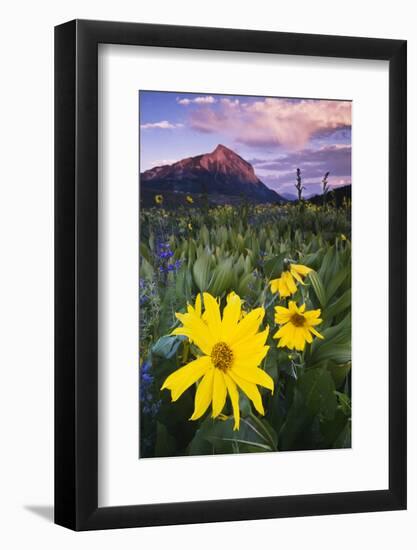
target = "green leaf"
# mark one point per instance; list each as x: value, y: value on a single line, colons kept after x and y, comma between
x: 244, y: 284
x: 254, y: 435
x: 146, y: 269
x: 342, y: 303
x: 167, y: 346
x: 273, y: 267
x: 339, y: 373
x: 317, y: 389
x: 344, y: 440
x: 145, y: 252
x: 205, y: 235
x: 344, y: 403
x: 318, y: 287
x: 335, y: 346
x: 201, y: 272
x: 339, y: 353
x: 165, y: 443
x: 222, y: 278
x: 314, y: 397
x: 337, y: 281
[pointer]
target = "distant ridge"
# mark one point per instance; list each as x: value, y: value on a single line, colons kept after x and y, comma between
x: 337, y: 195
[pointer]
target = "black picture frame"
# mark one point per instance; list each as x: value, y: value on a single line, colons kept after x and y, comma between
x: 76, y: 271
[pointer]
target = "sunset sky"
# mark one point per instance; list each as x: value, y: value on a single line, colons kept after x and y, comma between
x: 276, y: 135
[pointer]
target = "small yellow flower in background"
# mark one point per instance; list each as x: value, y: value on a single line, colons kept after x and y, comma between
x: 190, y: 226
x: 159, y: 199
x: 343, y: 237
x: 231, y: 351
x: 189, y: 199
x: 285, y: 285
x: 297, y: 326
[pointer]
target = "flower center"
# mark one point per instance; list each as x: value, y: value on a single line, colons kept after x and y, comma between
x: 298, y: 320
x: 222, y: 356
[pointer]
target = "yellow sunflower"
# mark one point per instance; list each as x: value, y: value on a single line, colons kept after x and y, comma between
x: 159, y: 199
x: 285, y: 285
x: 189, y: 199
x: 297, y: 326
x: 231, y: 350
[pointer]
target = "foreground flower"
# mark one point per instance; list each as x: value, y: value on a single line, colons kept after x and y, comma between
x: 159, y: 199
x: 189, y: 199
x: 297, y: 326
x: 286, y: 285
x: 231, y: 350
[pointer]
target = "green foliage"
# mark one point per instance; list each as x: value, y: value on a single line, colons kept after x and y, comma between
x: 218, y: 437
x: 241, y: 249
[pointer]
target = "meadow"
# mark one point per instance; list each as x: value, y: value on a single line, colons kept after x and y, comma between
x: 230, y: 255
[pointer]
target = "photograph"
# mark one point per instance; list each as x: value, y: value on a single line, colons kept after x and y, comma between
x: 245, y: 274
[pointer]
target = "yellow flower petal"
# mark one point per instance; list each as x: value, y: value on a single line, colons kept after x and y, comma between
x: 248, y: 326
x: 231, y: 313
x: 292, y: 306
x: 300, y: 269
x: 203, y: 395
x: 314, y: 331
x: 250, y: 344
x: 183, y: 378
x: 198, y: 304
x: 196, y: 330
x: 297, y: 277
x: 250, y: 390
x: 255, y: 376
x: 274, y: 285
x: 289, y: 281
x: 282, y: 315
x: 212, y: 314
x: 219, y: 393
x: 307, y: 335
x: 234, y: 398
x: 312, y: 314
x: 253, y: 360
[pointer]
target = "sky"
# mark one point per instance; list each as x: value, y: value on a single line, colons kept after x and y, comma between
x: 276, y: 135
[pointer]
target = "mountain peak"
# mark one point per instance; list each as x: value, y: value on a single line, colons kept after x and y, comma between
x: 221, y: 147
x: 221, y: 172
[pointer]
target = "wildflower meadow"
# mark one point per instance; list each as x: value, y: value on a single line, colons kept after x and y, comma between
x: 245, y: 327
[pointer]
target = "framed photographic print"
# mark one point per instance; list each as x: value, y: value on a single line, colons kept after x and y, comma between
x: 230, y: 275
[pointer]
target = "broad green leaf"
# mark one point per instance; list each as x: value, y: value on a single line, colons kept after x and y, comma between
x: 317, y: 389
x: 273, y: 267
x: 146, y: 269
x: 341, y: 304
x: 318, y: 287
x: 145, y: 252
x: 202, y: 271
x: 167, y: 346
x: 254, y: 435
x: 337, y: 281
x: 339, y: 373
x: 165, y: 443
x: 222, y: 278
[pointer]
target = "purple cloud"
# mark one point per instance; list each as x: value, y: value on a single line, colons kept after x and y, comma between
x: 279, y: 173
x: 273, y: 121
